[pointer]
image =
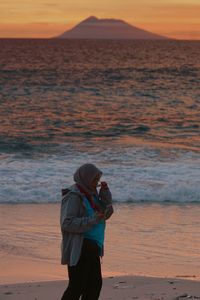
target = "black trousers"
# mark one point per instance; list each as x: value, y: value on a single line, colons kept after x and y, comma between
x: 85, y: 279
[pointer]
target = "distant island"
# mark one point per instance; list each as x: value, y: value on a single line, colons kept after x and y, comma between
x: 94, y: 28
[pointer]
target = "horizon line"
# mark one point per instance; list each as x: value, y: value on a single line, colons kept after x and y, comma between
x: 98, y: 39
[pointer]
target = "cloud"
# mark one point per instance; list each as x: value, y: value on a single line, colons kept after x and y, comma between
x: 186, y: 12
x: 185, y: 34
x: 34, y: 30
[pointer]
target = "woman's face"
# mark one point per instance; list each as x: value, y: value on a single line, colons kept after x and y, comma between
x: 95, y: 181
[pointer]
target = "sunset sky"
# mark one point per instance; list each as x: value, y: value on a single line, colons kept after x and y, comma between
x: 46, y: 18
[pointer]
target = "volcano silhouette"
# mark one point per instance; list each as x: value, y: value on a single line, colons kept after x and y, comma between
x: 94, y: 28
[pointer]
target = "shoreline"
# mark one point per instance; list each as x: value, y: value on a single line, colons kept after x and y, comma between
x: 114, y: 287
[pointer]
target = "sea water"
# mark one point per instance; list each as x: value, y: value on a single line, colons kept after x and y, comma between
x: 130, y: 107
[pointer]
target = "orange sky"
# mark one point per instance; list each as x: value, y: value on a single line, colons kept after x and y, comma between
x: 46, y: 18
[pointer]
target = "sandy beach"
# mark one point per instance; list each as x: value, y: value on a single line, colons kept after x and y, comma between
x: 118, y: 288
x: 157, y: 258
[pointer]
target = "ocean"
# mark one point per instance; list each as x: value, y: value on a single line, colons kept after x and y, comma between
x: 130, y: 107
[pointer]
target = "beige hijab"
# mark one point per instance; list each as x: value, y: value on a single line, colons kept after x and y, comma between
x: 85, y: 175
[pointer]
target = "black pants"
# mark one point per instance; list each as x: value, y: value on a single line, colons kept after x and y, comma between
x: 85, y: 279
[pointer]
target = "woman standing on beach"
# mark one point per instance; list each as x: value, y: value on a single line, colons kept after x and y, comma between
x: 83, y: 217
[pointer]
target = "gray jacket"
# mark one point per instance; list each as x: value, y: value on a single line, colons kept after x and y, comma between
x: 74, y: 222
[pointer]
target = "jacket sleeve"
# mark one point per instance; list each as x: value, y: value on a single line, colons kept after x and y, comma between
x: 108, y: 211
x: 106, y: 199
x: 105, y: 196
x: 69, y: 216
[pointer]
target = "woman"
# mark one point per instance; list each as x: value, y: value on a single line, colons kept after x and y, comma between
x: 84, y: 212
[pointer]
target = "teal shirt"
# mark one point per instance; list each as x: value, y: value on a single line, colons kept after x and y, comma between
x: 97, y: 232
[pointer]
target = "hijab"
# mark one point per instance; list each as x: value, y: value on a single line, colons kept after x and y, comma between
x: 85, y: 175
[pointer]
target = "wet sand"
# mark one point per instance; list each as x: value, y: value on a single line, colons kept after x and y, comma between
x: 141, y: 240
x: 116, y: 288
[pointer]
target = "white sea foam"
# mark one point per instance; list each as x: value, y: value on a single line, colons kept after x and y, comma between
x: 134, y: 174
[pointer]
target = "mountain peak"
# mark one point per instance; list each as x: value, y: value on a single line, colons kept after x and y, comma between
x: 94, y: 28
x: 91, y: 19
